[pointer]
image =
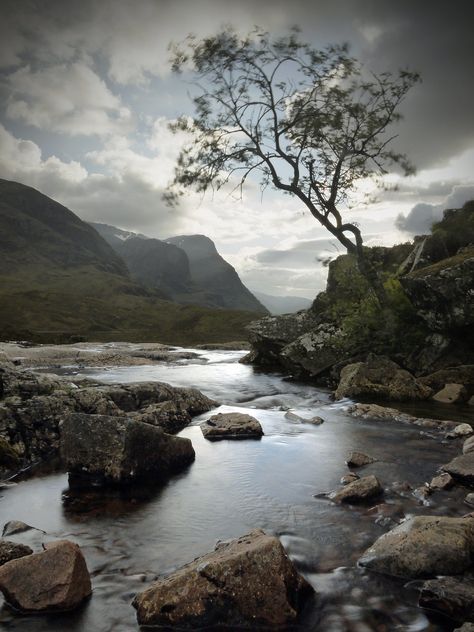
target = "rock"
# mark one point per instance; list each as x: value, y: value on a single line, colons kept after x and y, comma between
x: 442, y: 293
x: 442, y: 482
x: 171, y: 416
x: 461, y: 430
x: 387, y: 514
x: 469, y: 500
x: 358, y: 459
x: 422, y: 493
x: 16, y: 526
x: 462, y: 374
x: 462, y: 468
x: 11, y: 551
x: 316, y: 421
x: 349, y: 478
x: 55, y: 579
x: 471, y: 401
x: 466, y: 627
x: 381, y: 378
x: 468, y: 445
x: 120, y: 450
x: 9, y: 457
x: 363, y: 490
x: 374, y: 412
x: 451, y: 596
x: 231, y: 426
x: 451, y: 394
x: 248, y: 582
x: 423, y: 546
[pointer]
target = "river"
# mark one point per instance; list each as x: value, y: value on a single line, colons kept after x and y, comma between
x: 129, y: 538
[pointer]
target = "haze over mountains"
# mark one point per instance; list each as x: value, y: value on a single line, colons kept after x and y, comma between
x: 59, y: 278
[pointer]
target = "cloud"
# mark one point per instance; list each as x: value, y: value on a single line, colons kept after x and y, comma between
x: 66, y: 98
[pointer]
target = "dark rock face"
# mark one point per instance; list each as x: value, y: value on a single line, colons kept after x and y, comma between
x: 12, y: 551
x: 231, y: 426
x: 462, y: 468
x: 56, y: 579
x: 379, y: 377
x: 119, y: 450
x: 247, y: 582
x: 424, y: 546
x: 443, y: 293
x: 451, y: 596
x: 363, y: 490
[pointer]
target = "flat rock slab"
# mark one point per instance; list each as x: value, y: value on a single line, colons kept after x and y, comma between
x: 462, y: 468
x: 55, y: 579
x: 452, y: 596
x: 119, y: 450
x: 231, y: 426
x: 424, y: 546
x: 246, y: 582
x: 11, y: 551
x: 362, y: 490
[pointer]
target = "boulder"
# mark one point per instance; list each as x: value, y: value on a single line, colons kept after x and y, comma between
x: 451, y: 596
x: 246, y: 582
x: 423, y: 546
x: 462, y: 468
x: 451, y: 394
x: 462, y: 374
x: 462, y: 430
x: 468, y: 445
x: 379, y: 377
x: 469, y: 500
x: 11, y: 551
x: 466, y: 627
x: 232, y: 426
x: 120, y: 450
x: 442, y: 293
x: 55, y: 579
x: 362, y: 490
x: 291, y: 416
x: 349, y: 478
x: 358, y: 459
x: 374, y: 412
x: 442, y: 482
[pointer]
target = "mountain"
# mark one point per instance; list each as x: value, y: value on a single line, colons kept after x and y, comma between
x: 188, y: 269
x: 283, y: 304
x: 60, y: 280
x: 220, y: 283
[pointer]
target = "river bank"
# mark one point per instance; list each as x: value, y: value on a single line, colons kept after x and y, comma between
x: 130, y: 536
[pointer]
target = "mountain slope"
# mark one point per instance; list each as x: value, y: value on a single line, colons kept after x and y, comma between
x: 283, y: 304
x: 59, y: 280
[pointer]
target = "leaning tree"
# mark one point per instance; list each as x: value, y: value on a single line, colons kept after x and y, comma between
x: 311, y: 123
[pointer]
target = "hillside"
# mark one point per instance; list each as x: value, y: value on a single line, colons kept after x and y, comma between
x: 60, y: 281
x: 282, y: 304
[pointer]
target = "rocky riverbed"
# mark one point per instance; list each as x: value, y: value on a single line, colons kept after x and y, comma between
x: 364, y: 552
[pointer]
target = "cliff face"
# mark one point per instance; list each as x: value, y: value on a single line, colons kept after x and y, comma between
x: 427, y: 326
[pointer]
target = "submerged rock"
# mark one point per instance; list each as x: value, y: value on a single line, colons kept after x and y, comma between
x: 246, y: 582
x: 462, y: 468
x: 231, y: 426
x: 442, y: 482
x: 358, y: 459
x: 11, y: 551
x: 362, y: 490
x: 120, y: 450
x: 423, y: 546
x: 381, y: 378
x: 451, y: 596
x: 55, y: 579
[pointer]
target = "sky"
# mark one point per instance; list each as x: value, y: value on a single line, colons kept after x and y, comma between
x: 86, y: 96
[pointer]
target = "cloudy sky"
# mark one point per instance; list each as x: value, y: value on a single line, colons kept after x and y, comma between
x: 86, y: 95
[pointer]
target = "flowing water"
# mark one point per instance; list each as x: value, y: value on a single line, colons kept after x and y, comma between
x: 132, y: 536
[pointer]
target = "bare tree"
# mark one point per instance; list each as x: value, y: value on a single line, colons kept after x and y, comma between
x: 312, y: 123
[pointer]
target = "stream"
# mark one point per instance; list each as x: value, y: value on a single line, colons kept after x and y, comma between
x: 130, y: 537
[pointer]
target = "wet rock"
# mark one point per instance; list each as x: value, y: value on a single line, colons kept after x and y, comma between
x: 463, y: 430
x: 466, y: 627
x: 231, y: 426
x: 16, y: 526
x: 291, y: 416
x: 422, y: 493
x: 379, y: 377
x: 246, y: 582
x: 423, y: 546
x: 55, y: 579
x: 349, y: 478
x: 171, y: 416
x: 375, y: 412
x: 442, y: 482
x: 468, y: 445
x: 463, y: 374
x: 363, y: 490
x: 11, y: 551
x: 387, y: 514
x: 120, y: 450
x: 358, y: 459
x: 9, y: 457
x: 451, y: 394
x: 469, y: 500
x: 462, y: 468
x: 451, y: 596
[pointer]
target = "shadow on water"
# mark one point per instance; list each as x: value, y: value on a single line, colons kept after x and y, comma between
x: 131, y: 536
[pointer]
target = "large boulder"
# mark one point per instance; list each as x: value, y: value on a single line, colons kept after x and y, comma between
x: 11, y: 551
x: 232, y: 426
x: 462, y: 468
x: 120, y: 450
x: 55, y: 579
x: 449, y: 595
x: 246, y: 582
x: 379, y: 377
x: 423, y: 546
x: 442, y: 293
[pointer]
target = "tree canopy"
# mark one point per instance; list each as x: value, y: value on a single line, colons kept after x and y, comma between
x: 311, y: 123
